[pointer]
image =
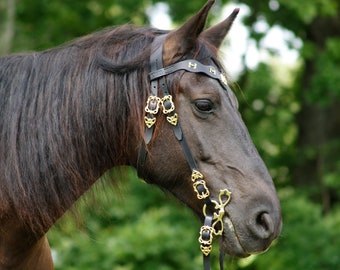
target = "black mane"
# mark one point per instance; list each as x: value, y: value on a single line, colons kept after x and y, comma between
x: 64, y: 120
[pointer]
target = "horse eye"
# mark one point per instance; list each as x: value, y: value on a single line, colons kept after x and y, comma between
x: 204, y: 105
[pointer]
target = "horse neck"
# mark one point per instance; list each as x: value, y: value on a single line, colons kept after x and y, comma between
x: 98, y: 127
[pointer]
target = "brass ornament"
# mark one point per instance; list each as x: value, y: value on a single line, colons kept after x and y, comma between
x: 206, y: 245
x: 172, y: 119
x: 149, y: 122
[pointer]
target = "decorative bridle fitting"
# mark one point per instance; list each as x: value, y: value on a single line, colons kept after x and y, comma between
x: 213, y: 210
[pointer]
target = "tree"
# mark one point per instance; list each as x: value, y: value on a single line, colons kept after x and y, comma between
x: 7, y: 11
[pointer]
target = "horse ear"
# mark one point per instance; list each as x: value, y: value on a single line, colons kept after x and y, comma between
x: 182, y: 40
x: 216, y: 34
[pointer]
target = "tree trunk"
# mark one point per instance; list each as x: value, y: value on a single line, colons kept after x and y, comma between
x: 7, y: 11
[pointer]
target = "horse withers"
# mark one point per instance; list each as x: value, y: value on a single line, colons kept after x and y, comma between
x: 156, y: 100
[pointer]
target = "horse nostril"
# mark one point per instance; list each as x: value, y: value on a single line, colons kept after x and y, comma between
x: 264, y: 227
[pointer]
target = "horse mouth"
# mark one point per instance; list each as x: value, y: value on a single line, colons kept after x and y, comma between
x: 229, y: 241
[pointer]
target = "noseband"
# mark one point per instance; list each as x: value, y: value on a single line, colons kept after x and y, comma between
x: 213, y: 210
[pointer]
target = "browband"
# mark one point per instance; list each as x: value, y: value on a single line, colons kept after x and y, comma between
x: 191, y: 66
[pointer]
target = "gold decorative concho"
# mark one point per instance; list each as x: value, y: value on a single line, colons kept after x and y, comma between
x: 152, y: 107
x: 168, y: 109
x: 154, y: 103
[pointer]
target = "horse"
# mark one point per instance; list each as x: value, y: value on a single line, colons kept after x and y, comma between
x: 155, y: 100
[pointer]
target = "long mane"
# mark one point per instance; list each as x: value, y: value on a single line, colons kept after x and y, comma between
x: 64, y: 119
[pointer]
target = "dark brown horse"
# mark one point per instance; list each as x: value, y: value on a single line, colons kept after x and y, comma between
x: 69, y: 114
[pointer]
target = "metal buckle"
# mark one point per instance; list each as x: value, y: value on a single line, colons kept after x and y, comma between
x: 206, y: 243
x: 152, y: 104
x: 164, y: 103
x: 205, y: 193
x: 197, y: 179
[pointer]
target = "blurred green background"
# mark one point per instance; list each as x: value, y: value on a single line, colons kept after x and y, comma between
x: 288, y: 85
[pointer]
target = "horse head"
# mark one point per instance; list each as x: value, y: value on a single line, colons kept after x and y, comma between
x: 200, y: 149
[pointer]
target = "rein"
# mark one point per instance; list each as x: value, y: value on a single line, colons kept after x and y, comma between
x: 213, y: 210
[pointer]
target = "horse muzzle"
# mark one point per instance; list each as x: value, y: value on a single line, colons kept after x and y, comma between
x: 251, y: 235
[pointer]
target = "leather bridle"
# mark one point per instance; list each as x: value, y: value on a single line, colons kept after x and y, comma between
x: 213, y: 210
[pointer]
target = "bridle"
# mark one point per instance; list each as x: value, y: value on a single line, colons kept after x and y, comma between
x: 213, y: 210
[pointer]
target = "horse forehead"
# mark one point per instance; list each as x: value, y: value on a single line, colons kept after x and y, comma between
x: 196, y: 84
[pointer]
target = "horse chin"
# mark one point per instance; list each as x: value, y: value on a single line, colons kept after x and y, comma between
x: 229, y: 242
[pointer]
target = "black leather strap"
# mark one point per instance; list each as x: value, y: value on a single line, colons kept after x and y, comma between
x: 156, y: 63
x: 206, y: 258
x: 191, y: 66
x: 141, y: 161
x: 221, y: 261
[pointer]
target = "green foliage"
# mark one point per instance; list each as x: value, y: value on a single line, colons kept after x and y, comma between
x: 309, y: 10
x: 45, y: 23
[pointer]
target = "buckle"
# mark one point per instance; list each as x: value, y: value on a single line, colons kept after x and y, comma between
x: 167, y: 104
x: 201, y: 194
x: 205, y: 239
x: 152, y: 105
